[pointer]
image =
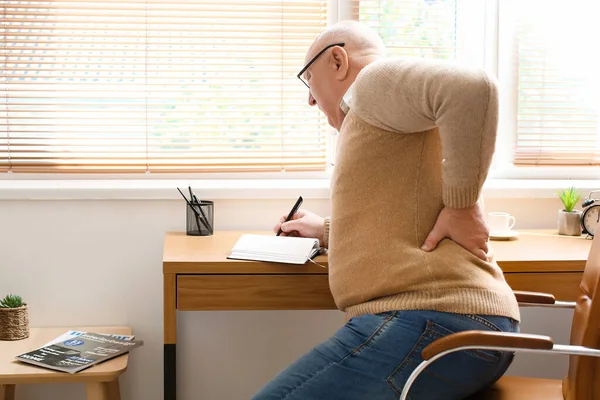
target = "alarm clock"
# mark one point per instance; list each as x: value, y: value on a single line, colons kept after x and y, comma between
x: 591, y: 215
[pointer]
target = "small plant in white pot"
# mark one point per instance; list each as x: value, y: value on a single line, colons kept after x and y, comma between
x: 569, y: 219
x: 14, y: 318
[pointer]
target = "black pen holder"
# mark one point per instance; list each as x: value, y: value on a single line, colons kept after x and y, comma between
x: 200, y: 218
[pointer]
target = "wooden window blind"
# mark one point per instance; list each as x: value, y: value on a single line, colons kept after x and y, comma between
x: 558, y: 83
x: 159, y: 86
x: 412, y: 28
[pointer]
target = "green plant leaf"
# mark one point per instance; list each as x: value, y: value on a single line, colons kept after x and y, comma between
x: 11, y: 301
x: 569, y: 198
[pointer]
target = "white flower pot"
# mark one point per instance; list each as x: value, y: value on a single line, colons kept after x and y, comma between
x: 569, y: 223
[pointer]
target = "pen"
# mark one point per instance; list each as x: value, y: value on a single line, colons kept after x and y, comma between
x: 193, y: 209
x: 292, y: 212
x: 202, y: 212
x: 194, y: 202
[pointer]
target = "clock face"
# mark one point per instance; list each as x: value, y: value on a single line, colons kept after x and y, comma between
x: 591, y: 218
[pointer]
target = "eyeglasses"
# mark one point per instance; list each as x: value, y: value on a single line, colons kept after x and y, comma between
x: 313, y: 60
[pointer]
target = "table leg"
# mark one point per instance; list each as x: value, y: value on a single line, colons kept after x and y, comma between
x: 170, y: 327
x: 103, y: 390
x: 7, y: 392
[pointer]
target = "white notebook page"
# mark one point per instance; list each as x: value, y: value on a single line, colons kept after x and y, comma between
x: 284, y: 249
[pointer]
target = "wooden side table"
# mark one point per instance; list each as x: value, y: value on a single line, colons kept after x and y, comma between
x: 102, y: 380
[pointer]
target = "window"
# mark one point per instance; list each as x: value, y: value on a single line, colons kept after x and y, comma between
x: 210, y: 86
x: 549, y: 90
x: 413, y: 28
x: 159, y: 86
x: 558, y: 86
x: 540, y: 50
x: 444, y: 29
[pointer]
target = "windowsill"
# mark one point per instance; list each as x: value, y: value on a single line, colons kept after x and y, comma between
x: 165, y: 189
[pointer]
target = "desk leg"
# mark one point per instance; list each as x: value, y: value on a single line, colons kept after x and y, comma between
x: 170, y: 326
x: 7, y: 392
x: 103, y: 390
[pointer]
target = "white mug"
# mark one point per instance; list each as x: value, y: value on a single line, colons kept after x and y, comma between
x: 500, y: 221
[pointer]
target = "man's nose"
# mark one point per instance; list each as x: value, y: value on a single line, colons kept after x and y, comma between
x: 311, y: 100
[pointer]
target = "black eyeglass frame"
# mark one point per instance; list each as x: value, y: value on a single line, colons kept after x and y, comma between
x: 307, y: 66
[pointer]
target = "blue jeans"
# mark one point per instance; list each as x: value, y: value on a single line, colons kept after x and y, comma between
x: 372, y: 356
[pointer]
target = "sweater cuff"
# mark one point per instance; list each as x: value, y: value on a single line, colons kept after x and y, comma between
x: 326, y: 232
x: 455, y: 197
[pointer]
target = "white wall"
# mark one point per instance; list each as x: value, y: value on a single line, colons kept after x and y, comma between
x: 98, y: 262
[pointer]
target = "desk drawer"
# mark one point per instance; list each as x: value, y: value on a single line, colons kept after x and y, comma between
x: 253, y: 292
x: 563, y: 285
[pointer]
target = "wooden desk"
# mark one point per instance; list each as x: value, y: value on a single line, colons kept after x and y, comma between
x: 198, y: 276
x: 101, y: 380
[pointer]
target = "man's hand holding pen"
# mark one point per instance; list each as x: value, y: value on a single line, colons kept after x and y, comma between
x: 303, y: 223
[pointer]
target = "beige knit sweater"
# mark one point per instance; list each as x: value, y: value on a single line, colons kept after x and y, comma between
x: 418, y: 135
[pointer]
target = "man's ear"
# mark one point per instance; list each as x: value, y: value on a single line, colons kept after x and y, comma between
x: 340, y: 62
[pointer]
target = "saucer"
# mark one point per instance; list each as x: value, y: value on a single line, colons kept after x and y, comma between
x: 503, y: 235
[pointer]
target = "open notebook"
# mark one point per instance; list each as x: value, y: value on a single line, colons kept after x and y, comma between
x: 283, y: 249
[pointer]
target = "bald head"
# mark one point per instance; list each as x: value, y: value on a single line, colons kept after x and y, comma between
x: 359, y: 39
x: 330, y: 71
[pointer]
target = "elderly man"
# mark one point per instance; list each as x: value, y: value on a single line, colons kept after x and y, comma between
x: 408, y: 255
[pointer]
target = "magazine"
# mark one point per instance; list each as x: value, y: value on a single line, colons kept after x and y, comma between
x: 71, y: 334
x: 79, y: 352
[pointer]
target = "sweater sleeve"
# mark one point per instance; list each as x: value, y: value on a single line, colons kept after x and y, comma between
x: 416, y: 95
x: 326, y: 232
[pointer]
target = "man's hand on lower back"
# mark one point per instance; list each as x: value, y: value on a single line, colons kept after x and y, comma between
x: 465, y: 226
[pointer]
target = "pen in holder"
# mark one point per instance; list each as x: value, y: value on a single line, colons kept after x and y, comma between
x: 199, y: 218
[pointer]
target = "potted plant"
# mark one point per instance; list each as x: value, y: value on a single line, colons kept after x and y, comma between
x: 14, y: 319
x: 569, y: 219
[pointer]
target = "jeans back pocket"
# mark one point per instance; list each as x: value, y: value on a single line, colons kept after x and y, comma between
x: 455, y: 375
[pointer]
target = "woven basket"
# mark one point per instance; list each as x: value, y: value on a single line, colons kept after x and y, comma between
x: 14, y: 323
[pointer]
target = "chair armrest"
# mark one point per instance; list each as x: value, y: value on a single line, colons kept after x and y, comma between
x: 499, y: 341
x: 534, y: 297
x: 487, y: 339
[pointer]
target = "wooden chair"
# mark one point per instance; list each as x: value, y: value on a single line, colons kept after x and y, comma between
x: 101, y: 381
x: 583, y: 379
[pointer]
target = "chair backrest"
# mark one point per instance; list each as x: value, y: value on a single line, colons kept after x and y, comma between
x: 583, y: 380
